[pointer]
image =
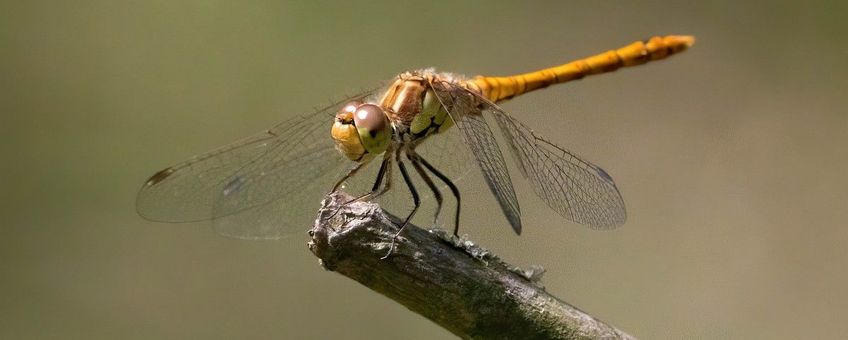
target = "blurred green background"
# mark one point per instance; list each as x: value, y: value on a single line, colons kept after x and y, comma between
x: 731, y: 157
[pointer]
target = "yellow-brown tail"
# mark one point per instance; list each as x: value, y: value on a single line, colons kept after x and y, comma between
x: 656, y: 48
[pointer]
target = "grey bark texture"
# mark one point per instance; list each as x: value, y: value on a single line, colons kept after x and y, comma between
x: 457, y: 285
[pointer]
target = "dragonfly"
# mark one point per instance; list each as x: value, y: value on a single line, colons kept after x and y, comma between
x: 255, y: 188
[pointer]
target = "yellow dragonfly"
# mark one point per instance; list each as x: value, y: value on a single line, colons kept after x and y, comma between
x: 256, y: 188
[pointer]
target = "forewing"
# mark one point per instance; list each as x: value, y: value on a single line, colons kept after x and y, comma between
x: 575, y: 188
x: 292, y: 211
x: 271, y: 167
x: 462, y: 105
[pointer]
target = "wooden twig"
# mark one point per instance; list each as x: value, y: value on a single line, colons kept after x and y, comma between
x: 452, y: 282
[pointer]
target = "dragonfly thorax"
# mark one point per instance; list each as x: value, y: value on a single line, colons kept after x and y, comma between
x: 413, y: 106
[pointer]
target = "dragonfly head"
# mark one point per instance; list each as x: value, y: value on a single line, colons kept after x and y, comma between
x: 361, y: 128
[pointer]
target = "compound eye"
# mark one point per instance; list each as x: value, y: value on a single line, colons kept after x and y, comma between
x: 373, y: 127
x: 345, y: 114
x: 371, y: 119
x: 350, y: 107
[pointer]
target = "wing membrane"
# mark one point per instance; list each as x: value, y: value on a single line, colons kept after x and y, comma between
x: 570, y: 185
x: 573, y: 187
x: 250, y: 177
x: 463, y: 109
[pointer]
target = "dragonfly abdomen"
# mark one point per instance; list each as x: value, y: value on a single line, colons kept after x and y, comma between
x: 640, y: 52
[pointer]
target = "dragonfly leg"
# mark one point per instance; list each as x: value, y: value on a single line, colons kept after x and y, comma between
x: 415, y: 199
x: 349, y: 174
x: 384, y: 168
x: 450, y: 185
x: 416, y: 163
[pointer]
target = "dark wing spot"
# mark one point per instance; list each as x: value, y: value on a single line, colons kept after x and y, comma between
x: 159, y: 176
x: 603, y: 174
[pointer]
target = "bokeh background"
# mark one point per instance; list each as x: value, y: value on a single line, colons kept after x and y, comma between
x: 731, y: 158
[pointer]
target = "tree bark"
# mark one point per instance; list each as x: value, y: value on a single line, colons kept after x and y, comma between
x: 456, y: 284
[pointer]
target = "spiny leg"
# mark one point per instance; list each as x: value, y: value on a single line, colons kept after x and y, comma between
x: 415, y: 160
x: 450, y: 185
x: 415, y: 199
x: 349, y: 174
x: 385, y: 167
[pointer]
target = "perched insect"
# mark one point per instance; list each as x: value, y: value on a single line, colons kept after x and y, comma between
x: 252, y: 188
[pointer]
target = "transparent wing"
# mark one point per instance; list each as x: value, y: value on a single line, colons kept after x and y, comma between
x: 260, y: 179
x: 292, y: 211
x: 462, y: 105
x: 446, y: 151
x: 575, y: 188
